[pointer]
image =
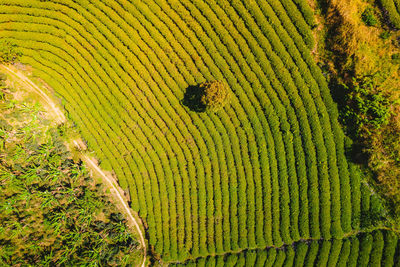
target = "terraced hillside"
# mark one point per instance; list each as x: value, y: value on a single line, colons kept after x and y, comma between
x: 267, y: 170
x: 378, y: 248
x: 392, y: 7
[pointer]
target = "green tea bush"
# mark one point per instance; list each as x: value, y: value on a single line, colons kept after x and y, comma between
x: 385, y: 35
x: 347, y: 252
x: 390, y: 7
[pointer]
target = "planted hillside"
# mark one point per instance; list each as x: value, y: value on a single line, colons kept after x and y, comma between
x: 51, y: 212
x: 269, y: 168
x: 378, y: 248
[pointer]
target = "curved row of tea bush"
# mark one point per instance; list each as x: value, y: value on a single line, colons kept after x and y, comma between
x: 392, y: 7
x: 378, y: 248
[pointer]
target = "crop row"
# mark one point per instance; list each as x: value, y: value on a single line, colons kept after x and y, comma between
x: 331, y: 109
x: 378, y: 248
x: 239, y: 159
x: 307, y: 12
x: 109, y: 122
x: 297, y: 19
x: 316, y: 127
x: 393, y: 9
x: 220, y: 48
x: 284, y: 230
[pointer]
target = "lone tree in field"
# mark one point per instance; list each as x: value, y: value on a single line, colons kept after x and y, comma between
x: 215, y: 95
x: 210, y: 96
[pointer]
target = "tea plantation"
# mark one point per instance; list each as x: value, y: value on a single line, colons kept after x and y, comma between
x: 269, y: 169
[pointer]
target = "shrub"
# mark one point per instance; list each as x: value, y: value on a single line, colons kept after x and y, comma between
x: 396, y: 58
x: 368, y: 17
x: 8, y: 52
x: 385, y: 35
x: 366, y: 108
x: 215, y: 95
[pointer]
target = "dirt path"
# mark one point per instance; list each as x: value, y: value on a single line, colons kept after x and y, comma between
x: 114, y: 190
x: 55, y: 110
x: 91, y: 164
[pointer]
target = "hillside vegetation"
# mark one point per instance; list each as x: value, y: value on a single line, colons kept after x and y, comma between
x: 51, y: 211
x: 362, y: 52
x: 267, y: 169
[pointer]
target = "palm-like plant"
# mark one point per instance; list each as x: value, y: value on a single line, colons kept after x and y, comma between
x: 48, y: 205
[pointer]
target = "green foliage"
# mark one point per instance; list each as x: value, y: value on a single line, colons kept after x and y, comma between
x: 9, y: 52
x: 364, y: 249
x: 396, y: 58
x: 385, y: 35
x: 367, y: 109
x: 391, y: 8
x: 51, y: 211
x: 215, y: 95
x: 369, y: 18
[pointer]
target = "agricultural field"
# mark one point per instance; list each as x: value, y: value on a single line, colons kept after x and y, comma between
x: 377, y: 248
x: 269, y: 169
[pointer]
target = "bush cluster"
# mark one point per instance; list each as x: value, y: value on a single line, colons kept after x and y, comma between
x: 366, y: 109
x: 368, y: 17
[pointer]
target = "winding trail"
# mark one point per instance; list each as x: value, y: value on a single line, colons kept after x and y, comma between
x: 114, y: 188
x: 33, y: 87
x: 91, y: 163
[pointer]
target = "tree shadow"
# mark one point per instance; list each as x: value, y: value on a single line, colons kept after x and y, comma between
x: 192, y: 98
x: 357, y: 154
x: 356, y: 151
x: 323, y: 5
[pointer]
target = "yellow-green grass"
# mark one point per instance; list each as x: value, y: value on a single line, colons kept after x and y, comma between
x: 267, y: 170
